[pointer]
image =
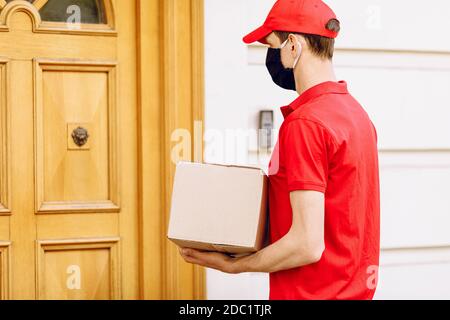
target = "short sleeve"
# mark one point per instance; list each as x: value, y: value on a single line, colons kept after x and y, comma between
x: 305, y: 153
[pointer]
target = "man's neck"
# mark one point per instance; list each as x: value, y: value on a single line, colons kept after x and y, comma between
x: 312, y: 73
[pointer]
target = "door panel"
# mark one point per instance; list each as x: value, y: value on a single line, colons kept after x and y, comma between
x: 79, y: 269
x: 76, y: 174
x: 4, y: 269
x: 4, y: 154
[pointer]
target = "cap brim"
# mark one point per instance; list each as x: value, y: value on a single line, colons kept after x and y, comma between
x: 258, y: 35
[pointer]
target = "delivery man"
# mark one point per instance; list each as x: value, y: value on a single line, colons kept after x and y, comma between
x: 323, y: 175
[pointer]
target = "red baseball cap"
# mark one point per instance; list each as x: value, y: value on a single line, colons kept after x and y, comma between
x: 302, y: 16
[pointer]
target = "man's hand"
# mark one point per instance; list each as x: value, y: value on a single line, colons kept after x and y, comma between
x: 213, y: 260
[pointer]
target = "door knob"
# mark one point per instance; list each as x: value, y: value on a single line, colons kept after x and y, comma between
x: 80, y: 136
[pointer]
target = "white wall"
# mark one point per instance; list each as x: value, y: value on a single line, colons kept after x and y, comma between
x: 401, y: 74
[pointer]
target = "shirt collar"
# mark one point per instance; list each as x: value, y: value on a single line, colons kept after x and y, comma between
x: 314, y: 92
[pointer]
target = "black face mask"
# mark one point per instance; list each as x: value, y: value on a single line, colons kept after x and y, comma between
x: 283, y: 77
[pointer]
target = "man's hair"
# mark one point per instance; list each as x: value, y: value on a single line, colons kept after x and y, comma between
x: 320, y: 46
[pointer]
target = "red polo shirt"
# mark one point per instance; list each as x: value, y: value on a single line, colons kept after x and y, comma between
x: 327, y: 143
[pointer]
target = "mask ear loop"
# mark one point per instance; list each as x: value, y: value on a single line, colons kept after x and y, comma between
x: 299, y: 54
x: 284, y: 44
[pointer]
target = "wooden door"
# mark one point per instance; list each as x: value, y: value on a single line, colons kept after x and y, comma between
x: 68, y: 177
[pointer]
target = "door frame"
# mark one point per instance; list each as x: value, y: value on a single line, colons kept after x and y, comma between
x: 170, y: 97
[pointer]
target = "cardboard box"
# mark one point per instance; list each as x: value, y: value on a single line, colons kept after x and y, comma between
x: 219, y: 208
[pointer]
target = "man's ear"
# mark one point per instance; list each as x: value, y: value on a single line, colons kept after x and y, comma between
x: 293, y: 44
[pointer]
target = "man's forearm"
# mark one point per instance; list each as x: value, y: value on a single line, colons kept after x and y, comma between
x: 287, y: 253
